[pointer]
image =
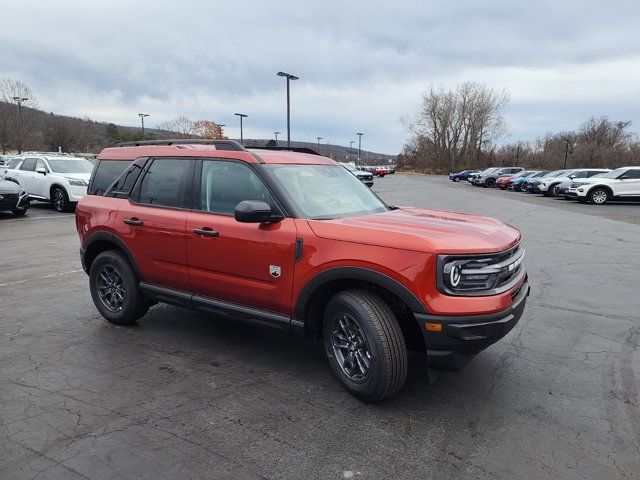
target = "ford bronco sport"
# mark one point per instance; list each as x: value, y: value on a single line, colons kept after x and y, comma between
x: 261, y: 236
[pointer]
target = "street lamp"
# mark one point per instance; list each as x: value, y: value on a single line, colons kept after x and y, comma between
x: 276, y: 134
x: 566, y: 151
x: 319, y: 138
x: 19, y: 101
x: 241, y: 115
x: 350, y: 146
x: 359, y: 145
x: 142, y: 115
x: 288, y: 76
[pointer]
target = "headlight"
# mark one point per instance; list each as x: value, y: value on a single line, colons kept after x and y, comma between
x: 77, y: 182
x: 479, y: 275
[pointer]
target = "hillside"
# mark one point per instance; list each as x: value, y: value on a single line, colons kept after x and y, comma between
x: 50, y: 132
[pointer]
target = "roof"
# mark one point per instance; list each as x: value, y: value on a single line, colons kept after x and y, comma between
x: 210, y: 151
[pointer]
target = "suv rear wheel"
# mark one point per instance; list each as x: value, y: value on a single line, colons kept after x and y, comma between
x: 114, y: 289
x: 491, y: 182
x: 60, y: 200
x: 364, y: 345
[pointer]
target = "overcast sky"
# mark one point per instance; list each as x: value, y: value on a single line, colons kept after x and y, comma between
x: 362, y: 65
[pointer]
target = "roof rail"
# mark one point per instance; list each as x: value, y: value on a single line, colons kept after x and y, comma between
x: 219, y: 144
x: 308, y: 150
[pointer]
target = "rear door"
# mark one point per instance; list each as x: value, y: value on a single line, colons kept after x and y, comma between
x: 24, y: 175
x: 249, y: 264
x: 630, y: 184
x: 152, y: 222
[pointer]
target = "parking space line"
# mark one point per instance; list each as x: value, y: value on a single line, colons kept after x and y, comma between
x: 33, y: 279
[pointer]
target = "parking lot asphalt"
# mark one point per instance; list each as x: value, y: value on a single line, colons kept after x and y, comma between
x: 186, y: 395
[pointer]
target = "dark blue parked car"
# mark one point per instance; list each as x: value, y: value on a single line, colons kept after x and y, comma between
x: 463, y: 175
x: 519, y: 183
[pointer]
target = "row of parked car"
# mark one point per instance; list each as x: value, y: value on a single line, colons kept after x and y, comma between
x: 50, y: 177
x: 587, y: 185
x: 379, y: 170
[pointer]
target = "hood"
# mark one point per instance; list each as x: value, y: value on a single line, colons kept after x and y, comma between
x: 362, y: 173
x: 429, y: 231
x: 79, y: 176
x: 9, y: 187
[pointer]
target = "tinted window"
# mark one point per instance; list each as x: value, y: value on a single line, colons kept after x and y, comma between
x: 106, y: 173
x: 29, y: 164
x: 582, y: 174
x: 632, y: 174
x: 14, y: 162
x: 225, y: 184
x: 591, y: 173
x: 166, y: 183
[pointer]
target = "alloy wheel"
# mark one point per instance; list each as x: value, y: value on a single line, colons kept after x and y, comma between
x: 351, y: 349
x: 110, y: 288
x: 58, y: 200
x: 599, y: 196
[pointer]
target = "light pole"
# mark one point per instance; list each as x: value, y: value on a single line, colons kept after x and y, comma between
x: 142, y: 115
x: 359, y: 145
x: 276, y: 134
x: 241, y: 115
x: 319, y: 138
x: 350, y: 146
x: 566, y: 151
x: 19, y: 101
x: 288, y: 76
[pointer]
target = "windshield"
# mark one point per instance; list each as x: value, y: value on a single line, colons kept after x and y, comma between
x: 489, y: 170
x: 323, y: 192
x: 70, y: 165
x: 614, y: 173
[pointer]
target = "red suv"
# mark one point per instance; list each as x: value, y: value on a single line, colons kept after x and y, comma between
x: 295, y: 241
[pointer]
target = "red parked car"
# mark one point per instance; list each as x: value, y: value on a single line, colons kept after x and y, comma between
x: 264, y: 237
x: 380, y: 171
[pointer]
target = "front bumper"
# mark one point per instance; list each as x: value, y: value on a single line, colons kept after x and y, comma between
x: 461, y: 337
x: 76, y: 193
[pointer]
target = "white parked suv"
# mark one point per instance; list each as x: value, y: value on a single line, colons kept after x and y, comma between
x: 549, y: 186
x: 619, y: 183
x: 59, y: 179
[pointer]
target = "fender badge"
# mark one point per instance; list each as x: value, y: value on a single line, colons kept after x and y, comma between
x: 275, y: 271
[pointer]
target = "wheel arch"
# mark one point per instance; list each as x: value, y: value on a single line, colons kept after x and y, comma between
x: 600, y: 185
x: 98, y: 242
x: 312, y: 300
x: 55, y: 185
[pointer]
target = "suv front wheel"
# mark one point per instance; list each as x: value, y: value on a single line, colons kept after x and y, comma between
x: 114, y: 289
x: 364, y: 345
x: 60, y: 200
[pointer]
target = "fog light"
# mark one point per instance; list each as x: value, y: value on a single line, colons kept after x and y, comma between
x: 433, y: 327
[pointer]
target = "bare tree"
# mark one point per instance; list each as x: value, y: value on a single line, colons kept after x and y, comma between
x: 16, y: 122
x: 459, y: 126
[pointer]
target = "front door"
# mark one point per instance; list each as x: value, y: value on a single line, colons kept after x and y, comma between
x: 152, y: 223
x: 249, y: 264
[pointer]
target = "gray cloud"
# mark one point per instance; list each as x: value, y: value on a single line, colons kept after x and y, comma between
x: 362, y: 64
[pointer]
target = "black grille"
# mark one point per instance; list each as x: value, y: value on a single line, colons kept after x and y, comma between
x: 8, y: 201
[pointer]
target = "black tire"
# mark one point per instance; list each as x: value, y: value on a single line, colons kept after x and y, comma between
x: 599, y: 196
x: 381, y: 344
x: 491, y: 182
x: 456, y: 179
x: 19, y: 213
x: 60, y: 200
x: 133, y: 304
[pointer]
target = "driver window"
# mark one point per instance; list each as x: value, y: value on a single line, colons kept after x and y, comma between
x: 225, y: 184
x: 40, y: 164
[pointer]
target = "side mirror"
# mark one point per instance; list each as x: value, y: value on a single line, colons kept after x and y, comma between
x: 41, y: 170
x: 254, y: 211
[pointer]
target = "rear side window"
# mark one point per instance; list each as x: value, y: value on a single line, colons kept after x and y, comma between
x: 167, y: 183
x: 105, y: 174
x: 29, y: 164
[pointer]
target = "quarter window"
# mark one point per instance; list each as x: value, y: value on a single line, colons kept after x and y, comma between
x: 225, y: 184
x: 167, y: 183
x: 106, y: 173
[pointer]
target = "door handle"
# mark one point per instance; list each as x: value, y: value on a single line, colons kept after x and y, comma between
x: 206, y: 232
x: 136, y: 222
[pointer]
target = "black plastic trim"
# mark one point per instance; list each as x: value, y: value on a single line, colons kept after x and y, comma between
x: 112, y: 238
x: 299, y: 248
x: 232, y: 144
x: 356, y: 273
x: 219, y: 307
